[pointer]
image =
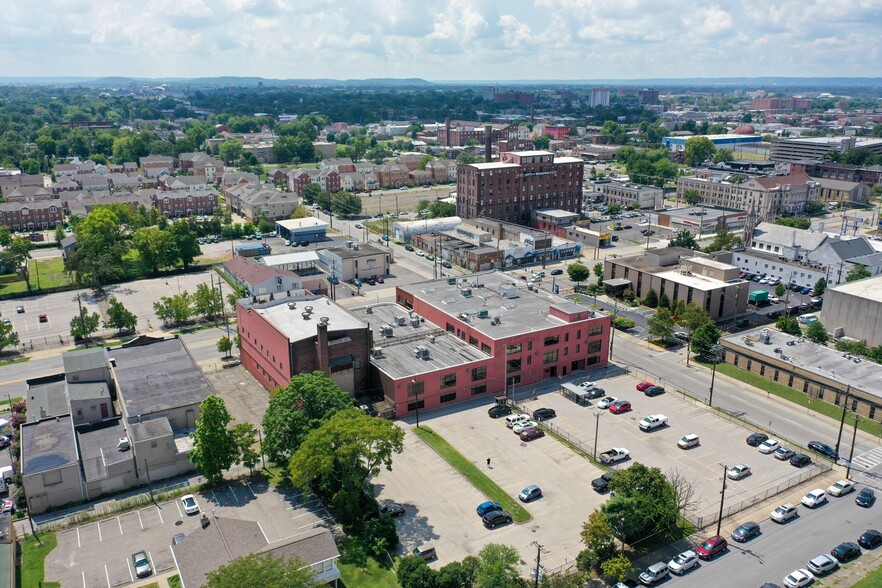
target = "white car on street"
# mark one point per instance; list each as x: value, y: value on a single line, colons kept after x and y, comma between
x: 683, y: 562
x: 815, y: 498
x: 798, y: 578
x: 841, y: 488
x: 587, y: 385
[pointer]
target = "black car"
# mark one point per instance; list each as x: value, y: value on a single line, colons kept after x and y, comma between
x: 393, y: 509
x: 823, y: 449
x: 556, y: 272
x: 601, y: 484
x: 846, y: 551
x: 757, y: 439
x: 654, y: 391
x: 800, y: 460
x: 543, y: 414
x: 870, y: 539
x: 595, y: 393
x: 495, y: 518
x: 745, y: 532
x: 865, y: 498
x: 408, y: 247
x: 498, y: 410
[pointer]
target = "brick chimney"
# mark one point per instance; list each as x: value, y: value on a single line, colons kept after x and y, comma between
x: 321, y: 345
x: 488, y: 143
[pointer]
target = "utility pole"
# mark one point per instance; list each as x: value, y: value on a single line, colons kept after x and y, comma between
x: 260, y: 442
x: 842, y: 420
x: 722, y: 497
x: 716, y: 350
x: 612, y: 330
x: 82, y: 320
x: 851, y: 453
x: 540, y: 549
x: 597, y: 414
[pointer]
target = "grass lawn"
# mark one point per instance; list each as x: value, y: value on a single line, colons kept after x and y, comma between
x: 16, y: 360
x: 360, y: 570
x: 791, y: 395
x: 151, y: 585
x: 474, y: 475
x: 871, y: 580
x: 31, y: 572
x: 51, y: 272
x: 175, y: 582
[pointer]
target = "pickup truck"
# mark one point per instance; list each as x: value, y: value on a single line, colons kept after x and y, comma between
x: 653, y: 421
x: 614, y: 455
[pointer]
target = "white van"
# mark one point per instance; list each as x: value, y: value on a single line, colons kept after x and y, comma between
x: 513, y: 419
x: 690, y: 440
x: 6, y: 474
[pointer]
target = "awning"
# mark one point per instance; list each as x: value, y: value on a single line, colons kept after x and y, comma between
x: 617, y: 282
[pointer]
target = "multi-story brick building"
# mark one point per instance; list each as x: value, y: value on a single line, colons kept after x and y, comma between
x: 632, y: 195
x: 183, y: 203
x: 523, y: 180
x: 871, y: 176
x: 28, y: 216
x: 458, y: 134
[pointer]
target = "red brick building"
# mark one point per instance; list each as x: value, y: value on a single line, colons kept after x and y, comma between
x: 27, y: 216
x: 458, y: 134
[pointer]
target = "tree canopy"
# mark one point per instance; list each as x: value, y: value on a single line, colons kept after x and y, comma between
x: 214, y: 448
x: 578, y: 272
x: 255, y: 570
x: 698, y: 150
x: 642, y: 504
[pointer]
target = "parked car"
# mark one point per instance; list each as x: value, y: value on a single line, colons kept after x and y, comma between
x: 823, y: 449
x: 644, y: 385
x: 486, y: 507
x: 5, y: 441
x: 596, y: 393
x: 191, y: 507
x: 620, y: 406
x: 784, y: 513
x: 606, y: 402
x: 530, y: 493
x: 498, y: 410
x: 769, y: 446
x: 815, y: 498
x: 654, y: 391
x: 746, y: 532
x: 522, y: 426
x: 425, y: 552
x: 712, y: 546
x: 556, y: 272
x: 601, y: 484
x: 865, y: 498
x: 840, y: 488
x: 682, y: 562
x: 654, y: 573
x: 846, y: 551
x: 358, y: 226
x: 587, y: 385
x: 44, y: 318
x: 495, y: 518
x: 821, y: 564
x: 393, y: 509
x: 543, y: 414
x: 757, y: 439
x: 737, y: 472
x: 531, y: 433
x: 870, y: 539
x: 800, y: 460
x: 141, y: 563
x: 408, y: 247
x: 783, y: 453
x: 688, y: 441
x: 513, y: 419
x: 798, y: 578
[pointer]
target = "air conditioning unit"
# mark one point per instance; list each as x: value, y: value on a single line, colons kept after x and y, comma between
x: 377, y: 351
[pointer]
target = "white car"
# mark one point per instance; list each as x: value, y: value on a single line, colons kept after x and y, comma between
x: 420, y: 253
x: 606, y: 402
x: 737, y: 472
x: 774, y: 299
x: 190, y: 505
x: 784, y: 513
x: 841, y: 488
x: 519, y: 427
x: 587, y: 385
x: 683, y: 562
x: 821, y: 564
x: 769, y: 446
x: 798, y: 578
x: 816, y: 497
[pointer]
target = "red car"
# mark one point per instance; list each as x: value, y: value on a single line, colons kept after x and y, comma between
x: 531, y: 433
x: 711, y: 547
x: 620, y: 406
x: 644, y: 385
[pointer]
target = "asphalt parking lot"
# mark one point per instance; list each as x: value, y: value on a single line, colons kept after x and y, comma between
x: 99, y: 553
x: 721, y: 442
x: 441, y: 504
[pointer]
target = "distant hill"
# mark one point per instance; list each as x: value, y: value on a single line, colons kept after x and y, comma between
x: 214, y: 82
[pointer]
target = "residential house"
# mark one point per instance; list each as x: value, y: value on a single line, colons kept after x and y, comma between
x: 183, y: 203
x: 410, y: 160
x: 391, y: 175
x: 230, y: 179
x: 29, y: 216
x: 157, y: 162
x: 124, y: 182
x: 80, y: 203
x: 329, y: 180
x: 251, y: 201
x: 341, y: 165
x: 29, y: 194
x: 442, y: 170
x: 93, y: 183
x: 419, y: 177
x: 190, y: 183
x: 11, y: 182
x: 839, y: 256
x: 298, y: 179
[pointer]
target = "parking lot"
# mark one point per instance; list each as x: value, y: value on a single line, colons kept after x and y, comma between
x: 99, y: 553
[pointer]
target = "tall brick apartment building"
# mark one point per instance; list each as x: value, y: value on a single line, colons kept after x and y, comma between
x: 521, y: 181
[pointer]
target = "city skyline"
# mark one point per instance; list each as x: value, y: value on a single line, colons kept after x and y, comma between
x: 455, y: 40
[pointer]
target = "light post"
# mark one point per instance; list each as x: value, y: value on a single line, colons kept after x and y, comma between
x: 597, y: 414
x: 722, y: 497
x: 716, y: 349
x: 612, y: 331
x: 851, y: 453
x: 842, y: 420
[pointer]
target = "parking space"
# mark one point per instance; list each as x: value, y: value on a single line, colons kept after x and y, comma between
x: 99, y: 554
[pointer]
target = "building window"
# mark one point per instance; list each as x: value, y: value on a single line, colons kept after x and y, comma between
x: 854, y: 404
x: 776, y: 375
x: 479, y: 389
x: 415, y: 389
x: 566, y: 350
x: 473, y: 341
x: 552, y: 340
x: 512, y: 380
x: 749, y: 364
x: 872, y: 413
x: 479, y: 373
x: 529, y: 345
x: 594, y: 359
x: 596, y: 330
x: 485, y: 348
x: 412, y: 406
x: 449, y: 397
x: 594, y: 346
x: 790, y: 381
x: 450, y: 328
x: 805, y: 389
x: 512, y: 365
x: 550, y: 356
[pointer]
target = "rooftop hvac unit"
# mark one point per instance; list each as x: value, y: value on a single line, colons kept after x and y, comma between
x: 349, y: 244
x: 400, y: 320
x: 483, y: 313
x: 386, y: 330
x: 415, y: 321
x: 451, y: 281
x: 377, y: 351
x: 495, y: 320
x: 431, y: 338
x: 464, y: 316
x: 421, y: 352
x: 369, y: 310
x: 466, y: 292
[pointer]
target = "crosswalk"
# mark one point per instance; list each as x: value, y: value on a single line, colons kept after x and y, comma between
x: 870, y: 459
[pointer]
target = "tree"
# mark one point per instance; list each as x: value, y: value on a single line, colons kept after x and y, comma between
x: 100, y: 248
x: 578, y: 272
x: 459, y: 574
x: 598, y: 271
x: 214, y: 447
x: 345, y: 204
x: 262, y: 570
x: 336, y: 458
x: 691, y: 196
x: 661, y: 324
x: 617, y: 567
x: 598, y: 536
x: 8, y: 336
x: 498, y: 567
x: 704, y: 339
x: 651, y: 298
x: 84, y: 324
x: 684, y: 490
x: 225, y: 345
x: 698, y: 150
x: 310, y: 192
x: 723, y: 156
x: 308, y: 401
x: 684, y: 238
x: 795, y: 222
x: 440, y: 209
x: 414, y: 572
x: 624, y: 323
x: 817, y: 333
x: 244, y: 439
x: 119, y: 317
x: 466, y: 158
x: 780, y: 289
x: 643, y: 504
x: 207, y: 301
x: 154, y: 247
x: 820, y: 287
x: 664, y: 301
x: 423, y: 206
x: 814, y: 207
x: 723, y: 241
x: 185, y: 243
x: 17, y: 255
x: 301, y: 212
x: 541, y: 142
x: 614, y: 208
x: 230, y: 150
x: 175, y: 309
x: 788, y: 325
x: 858, y: 272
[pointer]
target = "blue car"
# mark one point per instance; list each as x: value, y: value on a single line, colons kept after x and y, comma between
x: 488, y: 506
x: 805, y: 291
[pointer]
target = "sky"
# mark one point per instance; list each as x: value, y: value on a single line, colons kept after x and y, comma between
x: 442, y: 39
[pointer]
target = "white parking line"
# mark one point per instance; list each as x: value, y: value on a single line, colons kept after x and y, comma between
x: 128, y: 567
x: 84, y: 579
x: 215, y: 498
x: 250, y: 489
x: 107, y: 575
x: 78, y: 542
x: 159, y: 512
x: 100, y: 538
x: 233, y: 492
x: 306, y: 514
x: 304, y: 526
x: 180, y: 514
x: 120, y: 525
x: 140, y: 521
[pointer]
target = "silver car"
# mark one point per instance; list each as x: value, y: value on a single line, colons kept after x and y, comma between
x: 141, y: 563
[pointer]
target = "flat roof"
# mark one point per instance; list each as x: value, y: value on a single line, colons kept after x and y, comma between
x: 47, y: 445
x: 694, y: 280
x: 286, y: 315
x: 494, y: 165
x: 351, y: 252
x: 820, y: 360
x: 157, y: 377
x: 531, y: 153
x: 556, y: 212
x: 308, y: 222
x: 870, y: 288
x: 399, y: 358
x: 47, y: 399
x: 287, y: 258
x: 528, y: 312
x: 703, y: 212
x: 87, y: 359
x: 98, y: 447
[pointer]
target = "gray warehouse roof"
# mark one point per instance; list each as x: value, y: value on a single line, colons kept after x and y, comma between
x: 47, y: 445
x: 158, y: 376
x: 98, y: 447
x: 89, y: 359
x: 47, y: 399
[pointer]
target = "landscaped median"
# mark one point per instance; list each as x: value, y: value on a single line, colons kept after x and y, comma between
x: 473, y: 474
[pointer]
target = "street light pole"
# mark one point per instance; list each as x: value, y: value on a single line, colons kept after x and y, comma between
x: 716, y: 349
x: 851, y: 453
x: 722, y: 497
x: 597, y: 414
x: 612, y: 331
x: 842, y: 420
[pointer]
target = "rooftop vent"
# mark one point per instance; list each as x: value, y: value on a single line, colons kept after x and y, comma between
x: 377, y: 351
x: 292, y: 305
x: 421, y: 352
x: 386, y: 330
x: 308, y: 309
x: 400, y: 320
x: 369, y: 310
x: 305, y: 316
x: 324, y: 320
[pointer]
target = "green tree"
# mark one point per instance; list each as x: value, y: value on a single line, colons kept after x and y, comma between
x: 424, y: 161
x: 617, y: 567
x: 691, y: 196
x: 498, y: 567
x: 541, y: 142
x: 100, y: 248
x: 723, y: 156
x: 598, y: 271
x: 230, y: 150
x: 225, y: 345
x: 207, y: 301
x: 336, y: 458
x: 154, y: 247
x: 578, y: 272
x: 440, y: 209
x: 301, y: 212
x: 664, y: 301
x: 857, y: 272
x: 788, y: 325
x: 302, y: 406
x: 244, y: 440
x: 814, y: 207
x: 262, y: 570
x: 704, y: 339
x: 723, y: 241
x: 84, y: 324
x: 614, y: 208
x: 176, y: 309
x: 795, y: 222
x: 466, y: 158
x: 459, y: 574
x: 17, y: 255
x: 185, y: 243
x: 310, y: 193
x: 692, y: 317
x: 698, y: 150
x: 820, y: 287
x: 642, y: 504
x: 214, y: 446
x: 422, y: 205
x: 414, y: 572
x: 817, y: 333
x: 345, y: 204
x: 661, y: 324
x: 780, y: 290
x: 119, y: 317
x: 684, y: 238
x: 597, y: 535
x: 624, y: 323
x: 651, y: 298
x: 8, y: 336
